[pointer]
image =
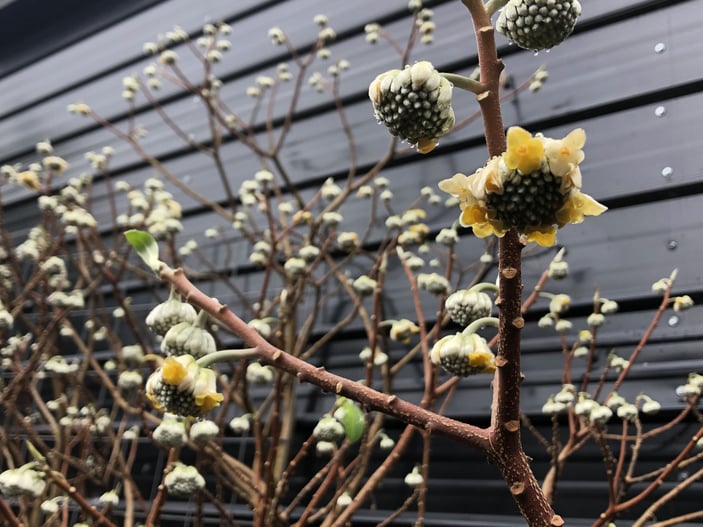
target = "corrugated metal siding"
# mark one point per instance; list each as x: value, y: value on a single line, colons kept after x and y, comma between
x: 607, y: 78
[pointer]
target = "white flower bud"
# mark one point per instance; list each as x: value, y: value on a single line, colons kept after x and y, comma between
x: 595, y: 320
x: 184, y: 481
x: 171, y: 433
x: 203, y: 431
x: 627, y: 412
x: 414, y: 479
x: 328, y: 429
x: 240, y: 425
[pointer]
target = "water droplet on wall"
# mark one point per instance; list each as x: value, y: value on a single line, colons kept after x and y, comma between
x: 660, y: 47
x: 660, y: 111
x: 667, y: 172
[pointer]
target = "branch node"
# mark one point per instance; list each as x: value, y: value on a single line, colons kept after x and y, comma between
x: 518, y: 488
x: 485, y: 29
x: 483, y: 95
x: 391, y: 399
x: 338, y: 387
x: 509, y: 273
x: 501, y: 361
x: 222, y: 308
x: 276, y: 355
x: 557, y: 521
x: 519, y: 322
x: 512, y: 426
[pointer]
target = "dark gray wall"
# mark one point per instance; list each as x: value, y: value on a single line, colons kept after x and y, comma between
x: 608, y: 78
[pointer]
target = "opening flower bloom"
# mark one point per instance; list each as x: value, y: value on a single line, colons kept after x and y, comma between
x: 534, y: 187
x: 182, y: 387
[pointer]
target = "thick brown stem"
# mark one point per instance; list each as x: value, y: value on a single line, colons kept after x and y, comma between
x: 504, y: 433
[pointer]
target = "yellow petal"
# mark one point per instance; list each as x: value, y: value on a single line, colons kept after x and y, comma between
x: 544, y: 236
x: 577, y: 206
x: 173, y: 372
x: 425, y: 145
x: 472, y: 215
x: 483, y: 230
x: 457, y: 185
x: 208, y: 401
x: 524, y: 152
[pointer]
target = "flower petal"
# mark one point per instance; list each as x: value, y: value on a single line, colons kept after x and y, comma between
x: 524, y: 152
x: 577, y: 206
x: 546, y: 236
x: 173, y: 372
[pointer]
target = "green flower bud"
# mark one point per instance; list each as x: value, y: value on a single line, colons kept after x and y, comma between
x: 538, y: 24
x: 186, y: 338
x: 466, y: 306
x: 414, y: 104
x: 169, y: 313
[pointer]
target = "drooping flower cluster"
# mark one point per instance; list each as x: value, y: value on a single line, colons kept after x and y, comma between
x: 463, y: 355
x: 534, y: 187
x: 538, y: 24
x: 182, y: 387
x: 414, y: 103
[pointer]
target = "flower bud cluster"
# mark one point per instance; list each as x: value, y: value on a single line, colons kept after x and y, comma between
x: 169, y: 314
x: 433, y: 283
x: 22, y: 481
x: 328, y: 429
x: 468, y: 305
x: 538, y: 24
x: 184, y: 481
x: 414, y: 104
x: 182, y: 387
x: 463, y: 355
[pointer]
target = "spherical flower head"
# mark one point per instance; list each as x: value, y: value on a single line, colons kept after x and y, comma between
x: 530, y: 188
x: 465, y: 306
x: 402, y: 330
x: 364, y: 285
x: 203, y: 431
x: 186, y: 338
x: 538, y: 24
x: 171, y: 433
x: 463, y: 355
x: 183, y: 388
x: 22, y: 481
x: 184, y: 481
x: 169, y: 313
x: 328, y: 429
x: 414, y: 104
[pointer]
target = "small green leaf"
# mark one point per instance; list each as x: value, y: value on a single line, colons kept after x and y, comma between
x: 146, y: 247
x: 352, y: 419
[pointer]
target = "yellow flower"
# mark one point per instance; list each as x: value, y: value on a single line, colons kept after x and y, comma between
x: 577, y: 206
x: 563, y: 155
x: 524, y: 152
